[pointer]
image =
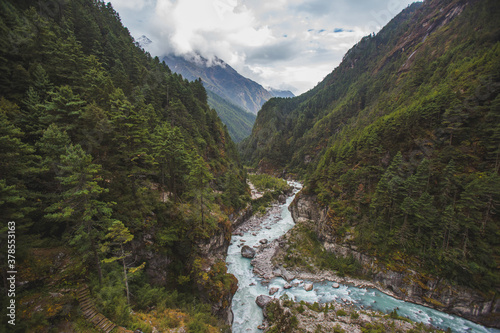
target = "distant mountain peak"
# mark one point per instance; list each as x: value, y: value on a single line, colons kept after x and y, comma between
x: 200, y: 60
x: 220, y: 78
x: 280, y: 93
x: 144, y: 41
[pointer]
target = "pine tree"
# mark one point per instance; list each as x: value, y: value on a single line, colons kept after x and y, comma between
x: 118, y: 235
x: 131, y: 138
x: 63, y: 108
x: 389, y: 192
x: 16, y: 163
x: 52, y: 146
x: 170, y: 152
x: 81, y: 207
x: 198, y: 180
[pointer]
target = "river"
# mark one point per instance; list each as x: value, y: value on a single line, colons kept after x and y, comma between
x: 248, y: 316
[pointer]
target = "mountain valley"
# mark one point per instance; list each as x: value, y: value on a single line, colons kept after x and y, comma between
x: 130, y: 183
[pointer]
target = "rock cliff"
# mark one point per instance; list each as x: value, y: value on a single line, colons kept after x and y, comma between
x: 403, y: 283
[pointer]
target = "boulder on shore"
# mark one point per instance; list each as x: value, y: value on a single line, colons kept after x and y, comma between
x: 287, y: 275
x: 247, y: 252
x: 263, y: 300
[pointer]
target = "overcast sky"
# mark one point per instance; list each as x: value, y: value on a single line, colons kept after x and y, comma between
x: 285, y: 44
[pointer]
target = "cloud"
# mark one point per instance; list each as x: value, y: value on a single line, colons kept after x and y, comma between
x: 131, y: 4
x: 276, y: 43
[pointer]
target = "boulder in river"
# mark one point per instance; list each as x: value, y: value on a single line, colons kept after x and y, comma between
x: 308, y: 286
x: 247, y: 252
x: 263, y: 241
x: 282, y: 199
x: 287, y: 286
x: 273, y: 290
x: 263, y: 300
x: 335, y: 285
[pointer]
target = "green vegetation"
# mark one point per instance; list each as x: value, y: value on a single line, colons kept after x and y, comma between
x: 106, y: 153
x: 272, y: 188
x: 341, y: 313
x: 401, y: 143
x: 265, y: 182
x: 305, y: 251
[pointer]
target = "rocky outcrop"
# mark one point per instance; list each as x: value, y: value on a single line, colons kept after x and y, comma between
x: 247, y: 252
x: 263, y: 300
x: 305, y: 208
x: 241, y: 216
x: 212, y: 250
x: 405, y: 284
x: 291, y: 317
x: 273, y: 290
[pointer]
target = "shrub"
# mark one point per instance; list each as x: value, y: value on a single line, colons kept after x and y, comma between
x: 341, y: 313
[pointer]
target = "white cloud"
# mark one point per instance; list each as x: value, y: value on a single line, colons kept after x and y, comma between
x: 130, y: 4
x: 250, y: 34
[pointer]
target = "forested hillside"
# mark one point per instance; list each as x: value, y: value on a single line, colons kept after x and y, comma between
x: 401, y: 142
x: 114, y: 169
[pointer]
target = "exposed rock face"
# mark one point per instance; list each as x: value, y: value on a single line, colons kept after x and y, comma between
x: 214, y: 250
x: 158, y: 263
x: 286, y: 275
x: 408, y: 284
x: 247, y: 252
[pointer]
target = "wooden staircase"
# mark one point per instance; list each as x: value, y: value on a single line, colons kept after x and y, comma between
x: 90, y: 313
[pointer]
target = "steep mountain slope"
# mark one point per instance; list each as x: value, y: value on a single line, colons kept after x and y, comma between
x: 116, y: 173
x: 223, y: 80
x: 280, y: 93
x: 400, y: 144
x: 238, y: 121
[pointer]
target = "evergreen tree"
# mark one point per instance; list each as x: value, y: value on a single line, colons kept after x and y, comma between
x: 170, y: 152
x: 63, y: 108
x: 131, y: 137
x: 118, y: 235
x: 16, y: 164
x: 81, y: 208
x: 389, y: 192
x: 198, y: 179
x: 52, y: 146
